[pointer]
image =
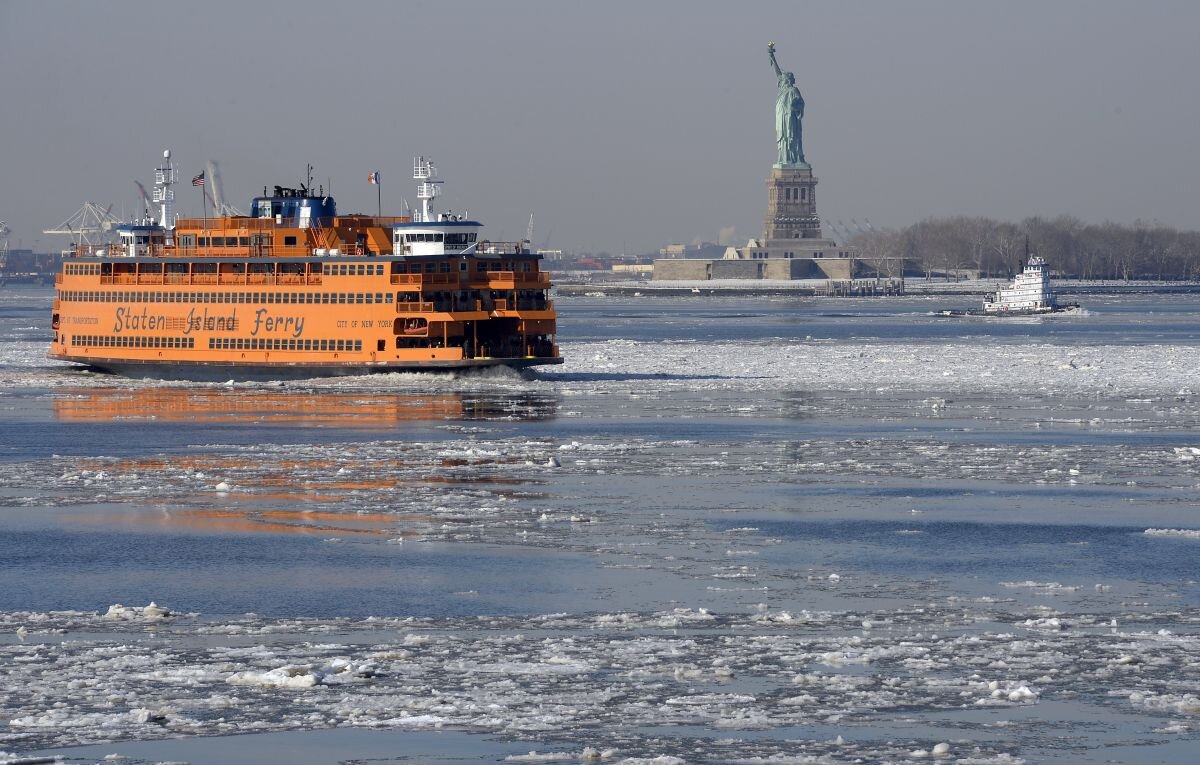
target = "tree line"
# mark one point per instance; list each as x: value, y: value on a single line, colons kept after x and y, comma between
x: 997, y: 249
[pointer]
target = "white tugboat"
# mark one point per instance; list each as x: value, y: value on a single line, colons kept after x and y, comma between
x: 1029, y: 293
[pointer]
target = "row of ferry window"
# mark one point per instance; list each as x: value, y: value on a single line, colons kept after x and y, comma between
x: 129, y: 341
x: 352, y: 269
x: 281, y: 344
x: 306, y: 298
x: 434, y: 237
x: 83, y: 268
x: 187, y: 241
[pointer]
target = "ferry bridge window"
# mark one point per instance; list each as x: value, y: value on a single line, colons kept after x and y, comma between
x: 289, y: 241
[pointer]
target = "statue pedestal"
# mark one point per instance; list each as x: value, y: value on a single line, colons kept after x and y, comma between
x: 792, y: 204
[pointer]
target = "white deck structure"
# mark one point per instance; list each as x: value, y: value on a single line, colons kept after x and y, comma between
x: 1030, y: 292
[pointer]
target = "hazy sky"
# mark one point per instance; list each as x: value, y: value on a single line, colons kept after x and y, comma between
x: 623, y: 125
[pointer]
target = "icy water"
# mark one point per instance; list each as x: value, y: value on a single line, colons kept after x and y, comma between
x: 726, y: 531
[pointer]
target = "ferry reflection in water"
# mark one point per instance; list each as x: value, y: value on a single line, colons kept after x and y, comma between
x: 325, y: 409
x: 351, y: 493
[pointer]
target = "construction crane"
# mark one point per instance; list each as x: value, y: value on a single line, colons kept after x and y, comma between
x: 147, y: 203
x: 4, y: 232
x: 529, y: 231
x: 215, y: 190
x: 90, y: 222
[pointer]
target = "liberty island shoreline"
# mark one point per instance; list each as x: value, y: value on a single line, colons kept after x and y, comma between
x: 588, y: 285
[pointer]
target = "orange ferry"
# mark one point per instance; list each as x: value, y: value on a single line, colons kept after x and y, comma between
x: 296, y: 290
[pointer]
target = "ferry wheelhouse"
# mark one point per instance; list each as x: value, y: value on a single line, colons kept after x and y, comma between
x: 296, y: 290
x: 1029, y: 293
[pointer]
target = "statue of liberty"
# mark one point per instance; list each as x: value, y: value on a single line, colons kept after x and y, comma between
x: 789, y: 111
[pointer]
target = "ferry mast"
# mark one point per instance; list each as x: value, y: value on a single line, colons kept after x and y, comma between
x: 164, y: 195
x: 429, y: 186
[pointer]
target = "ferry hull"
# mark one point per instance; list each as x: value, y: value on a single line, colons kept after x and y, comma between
x: 201, y: 371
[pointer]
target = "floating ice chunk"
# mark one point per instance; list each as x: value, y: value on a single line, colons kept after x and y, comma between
x: 222, y: 487
x: 941, y: 750
x: 143, y: 715
x: 151, y: 612
x: 290, y: 676
x: 835, y: 577
x: 1021, y: 694
x: 155, y: 611
x: 1053, y: 623
x: 553, y: 462
x: 1181, y: 533
x: 535, y: 757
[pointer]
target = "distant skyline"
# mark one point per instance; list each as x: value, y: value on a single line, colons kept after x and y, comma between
x: 622, y: 126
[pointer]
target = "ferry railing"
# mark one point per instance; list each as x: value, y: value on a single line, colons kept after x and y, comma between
x: 535, y: 305
x: 502, y: 248
x: 414, y: 307
x: 533, y: 277
x: 419, y: 279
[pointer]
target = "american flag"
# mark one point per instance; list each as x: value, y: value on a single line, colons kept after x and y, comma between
x: 373, y: 178
x: 199, y: 179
